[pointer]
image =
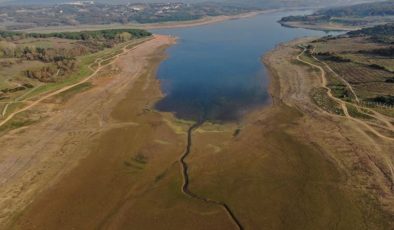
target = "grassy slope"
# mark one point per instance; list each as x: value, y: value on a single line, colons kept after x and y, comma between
x: 130, y: 179
x: 83, y: 71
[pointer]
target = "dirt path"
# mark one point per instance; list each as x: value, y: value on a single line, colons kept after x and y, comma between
x: 33, y: 158
x: 112, y: 162
x: 342, y: 79
x: 340, y: 102
x: 35, y: 103
x: 376, y: 115
x: 348, y: 116
x: 17, y: 100
x: 345, y: 140
x: 130, y: 178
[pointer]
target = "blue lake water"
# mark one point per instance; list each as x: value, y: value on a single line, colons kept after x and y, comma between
x: 215, y: 71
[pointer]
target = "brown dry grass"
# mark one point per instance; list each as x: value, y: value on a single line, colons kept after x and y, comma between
x: 386, y: 62
x: 290, y: 166
x: 129, y: 177
x: 346, y: 45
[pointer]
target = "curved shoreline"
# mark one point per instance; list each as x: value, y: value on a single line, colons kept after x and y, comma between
x: 164, y: 25
x: 352, y: 132
x: 282, y: 99
x: 27, y: 157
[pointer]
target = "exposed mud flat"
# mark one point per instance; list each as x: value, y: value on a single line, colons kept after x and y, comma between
x: 112, y: 161
x: 105, y: 124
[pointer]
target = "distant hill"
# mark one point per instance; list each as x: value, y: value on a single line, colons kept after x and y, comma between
x: 361, y: 10
x: 381, y: 30
x: 354, y: 16
x: 296, y: 3
x: 48, y: 2
x: 252, y: 3
x: 22, y: 17
x: 380, y: 34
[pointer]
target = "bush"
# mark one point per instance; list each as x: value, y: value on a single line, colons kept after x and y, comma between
x: 386, y: 100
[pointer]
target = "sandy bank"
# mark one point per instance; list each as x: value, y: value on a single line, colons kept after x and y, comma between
x: 164, y: 25
x: 321, y: 27
x: 112, y: 160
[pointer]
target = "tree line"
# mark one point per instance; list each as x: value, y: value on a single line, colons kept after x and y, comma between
x: 110, y: 34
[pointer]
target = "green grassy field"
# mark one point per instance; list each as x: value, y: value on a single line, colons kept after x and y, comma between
x: 86, y: 66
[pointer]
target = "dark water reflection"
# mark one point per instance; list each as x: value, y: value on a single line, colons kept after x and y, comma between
x: 215, y: 71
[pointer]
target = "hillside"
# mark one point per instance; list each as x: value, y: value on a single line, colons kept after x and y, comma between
x: 360, y: 10
x: 346, y: 17
x: 88, y: 13
x: 380, y: 30
x: 51, y: 2
x: 251, y: 3
x: 380, y: 34
x: 32, y: 60
x: 294, y: 3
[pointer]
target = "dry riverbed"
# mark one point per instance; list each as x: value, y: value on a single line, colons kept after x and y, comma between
x: 40, y: 156
x: 105, y: 159
x: 292, y: 165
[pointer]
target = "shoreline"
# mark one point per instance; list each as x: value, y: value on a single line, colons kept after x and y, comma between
x: 322, y: 27
x: 127, y: 176
x: 161, y: 25
x: 149, y: 26
x: 54, y: 153
x: 287, y: 94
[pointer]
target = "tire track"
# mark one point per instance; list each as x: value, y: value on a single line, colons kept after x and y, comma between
x: 186, y: 182
x: 344, y: 107
x: 340, y: 102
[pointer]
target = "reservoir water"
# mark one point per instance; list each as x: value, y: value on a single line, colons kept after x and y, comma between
x: 215, y: 71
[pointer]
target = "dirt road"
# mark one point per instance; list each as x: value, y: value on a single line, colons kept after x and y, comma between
x: 113, y: 162
x: 323, y: 76
x: 64, y: 89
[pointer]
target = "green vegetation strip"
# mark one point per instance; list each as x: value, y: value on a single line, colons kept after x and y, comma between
x: 74, y: 90
x: 83, y: 35
x: 84, y: 70
x: 354, y: 112
x: 18, y: 122
x: 321, y: 98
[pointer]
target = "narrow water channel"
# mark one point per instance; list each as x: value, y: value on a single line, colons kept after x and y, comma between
x: 215, y: 73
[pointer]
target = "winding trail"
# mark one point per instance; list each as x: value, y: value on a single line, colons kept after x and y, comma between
x: 344, y: 107
x: 185, y: 174
x: 376, y: 115
x: 340, y: 102
x: 17, y: 100
x: 340, y: 77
